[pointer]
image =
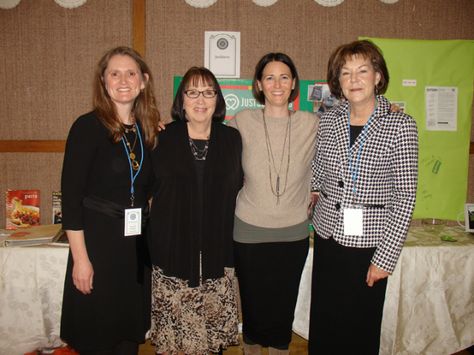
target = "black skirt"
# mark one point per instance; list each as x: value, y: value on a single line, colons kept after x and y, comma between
x: 346, y: 314
x: 269, y: 277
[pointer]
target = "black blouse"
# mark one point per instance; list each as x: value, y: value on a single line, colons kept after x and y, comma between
x: 96, y: 166
x: 355, y: 132
x: 174, y: 242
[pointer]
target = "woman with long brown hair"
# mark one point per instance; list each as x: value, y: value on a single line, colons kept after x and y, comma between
x: 106, y: 182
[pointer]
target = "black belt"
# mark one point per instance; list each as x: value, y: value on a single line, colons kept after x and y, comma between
x: 110, y: 208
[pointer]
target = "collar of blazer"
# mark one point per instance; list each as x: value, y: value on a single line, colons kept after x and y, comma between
x: 340, y: 125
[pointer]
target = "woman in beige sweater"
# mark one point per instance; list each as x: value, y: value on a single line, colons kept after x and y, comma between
x: 271, y: 221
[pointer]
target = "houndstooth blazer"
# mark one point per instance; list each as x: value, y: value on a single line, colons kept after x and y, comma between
x: 386, y: 183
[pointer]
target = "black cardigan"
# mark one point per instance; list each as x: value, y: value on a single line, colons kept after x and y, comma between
x: 174, y: 243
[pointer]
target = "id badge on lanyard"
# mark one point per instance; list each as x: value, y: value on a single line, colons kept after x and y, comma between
x: 354, y: 215
x: 353, y: 221
x: 133, y: 216
x: 133, y: 222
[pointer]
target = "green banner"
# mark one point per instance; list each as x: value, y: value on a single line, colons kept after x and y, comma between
x: 433, y: 82
x: 238, y: 95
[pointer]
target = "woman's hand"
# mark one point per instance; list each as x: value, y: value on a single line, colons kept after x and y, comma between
x: 82, y: 270
x: 313, y: 199
x: 83, y: 276
x: 161, y: 126
x: 374, y: 274
x: 395, y: 108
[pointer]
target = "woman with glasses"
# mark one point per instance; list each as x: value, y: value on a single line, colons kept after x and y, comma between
x: 198, y: 175
x: 271, y: 217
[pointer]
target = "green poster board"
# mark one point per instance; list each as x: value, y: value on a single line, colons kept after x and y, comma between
x: 415, y: 68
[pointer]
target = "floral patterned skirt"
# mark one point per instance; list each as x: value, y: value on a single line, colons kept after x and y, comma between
x: 193, y: 320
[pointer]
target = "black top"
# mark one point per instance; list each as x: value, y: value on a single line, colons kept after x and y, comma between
x: 355, y: 132
x: 173, y: 242
x: 117, y: 309
x: 199, y: 165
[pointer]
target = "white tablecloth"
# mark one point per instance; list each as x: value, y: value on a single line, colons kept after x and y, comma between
x: 429, y: 304
x: 31, y: 288
x: 429, y: 307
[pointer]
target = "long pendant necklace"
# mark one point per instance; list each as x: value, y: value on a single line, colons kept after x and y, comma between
x: 277, y: 191
x: 199, y: 154
x: 131, y: 147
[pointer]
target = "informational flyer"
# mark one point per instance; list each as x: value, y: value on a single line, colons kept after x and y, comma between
x: 441, y: 108
x: 222, y: 53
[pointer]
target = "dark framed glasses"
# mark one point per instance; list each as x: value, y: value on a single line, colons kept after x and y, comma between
x: 194, y: 94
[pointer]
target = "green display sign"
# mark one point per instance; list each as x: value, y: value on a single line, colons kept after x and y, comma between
x: 433, y: 81
x: 238, y: 95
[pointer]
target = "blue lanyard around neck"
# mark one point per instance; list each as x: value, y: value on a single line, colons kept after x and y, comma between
x: 132, y: 175
x: 354, y: 169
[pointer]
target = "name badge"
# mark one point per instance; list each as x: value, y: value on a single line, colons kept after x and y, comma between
x: 133, y: 222
x: 353, y: 221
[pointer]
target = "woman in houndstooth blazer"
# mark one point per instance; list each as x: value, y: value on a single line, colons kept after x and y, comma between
x: 364, y: 176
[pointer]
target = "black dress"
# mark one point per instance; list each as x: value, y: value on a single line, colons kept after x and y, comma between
x: 118, y: 307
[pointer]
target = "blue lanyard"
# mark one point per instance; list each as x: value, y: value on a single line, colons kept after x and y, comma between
x: 132, y: 175
x: 354, y: 170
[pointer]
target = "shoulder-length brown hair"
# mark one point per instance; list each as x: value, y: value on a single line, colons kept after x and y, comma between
x: 195, y: 76
x: 367, y: 50
x: 144, y: 108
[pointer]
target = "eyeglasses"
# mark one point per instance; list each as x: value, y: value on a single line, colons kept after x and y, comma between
x: 194, y: 94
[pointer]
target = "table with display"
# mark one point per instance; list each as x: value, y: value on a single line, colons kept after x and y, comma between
x: 429, y: 307
x: 429, y: 303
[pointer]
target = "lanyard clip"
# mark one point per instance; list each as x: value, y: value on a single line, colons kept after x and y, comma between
x: 132, y: 199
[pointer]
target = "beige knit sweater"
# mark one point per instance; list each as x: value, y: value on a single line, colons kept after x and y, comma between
x: 256, y: 204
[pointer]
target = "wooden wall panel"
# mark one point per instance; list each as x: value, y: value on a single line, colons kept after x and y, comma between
x: 139, y: 24
x: 32, y: 146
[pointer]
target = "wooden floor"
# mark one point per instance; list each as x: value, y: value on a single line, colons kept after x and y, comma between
x: 298, y: 346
